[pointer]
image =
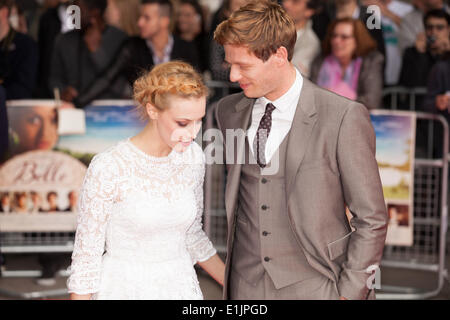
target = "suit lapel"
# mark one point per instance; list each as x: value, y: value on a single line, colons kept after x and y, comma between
x: 238, y: 119
x: 302, y: 125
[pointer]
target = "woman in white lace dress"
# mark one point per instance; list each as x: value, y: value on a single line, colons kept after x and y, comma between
x: 139, y: 226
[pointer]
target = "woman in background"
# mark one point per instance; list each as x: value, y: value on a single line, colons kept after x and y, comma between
x: 191, y: 27
x: 350, y: 64
x: 123, y: 14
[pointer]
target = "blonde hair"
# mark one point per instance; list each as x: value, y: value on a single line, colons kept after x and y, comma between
x: 129, y: 15
x: 174, y: 78
x: 263, y: 26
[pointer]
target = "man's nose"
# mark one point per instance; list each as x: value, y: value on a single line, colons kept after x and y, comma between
x: 235, y: 75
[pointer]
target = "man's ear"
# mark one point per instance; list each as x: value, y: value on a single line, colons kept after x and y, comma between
x: 281, y: 56
x: 165, y: 22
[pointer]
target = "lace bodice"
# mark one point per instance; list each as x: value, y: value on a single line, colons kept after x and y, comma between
x: 139, y: 225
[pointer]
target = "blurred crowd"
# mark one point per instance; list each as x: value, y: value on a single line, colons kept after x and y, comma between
x: 342, y: 45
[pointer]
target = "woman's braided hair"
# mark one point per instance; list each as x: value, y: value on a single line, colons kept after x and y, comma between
x: 174, y: 78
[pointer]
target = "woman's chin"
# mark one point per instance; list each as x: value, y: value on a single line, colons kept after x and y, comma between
x: 180, y: 147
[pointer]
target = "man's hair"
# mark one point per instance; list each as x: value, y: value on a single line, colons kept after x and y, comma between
x: 165, y: 6
x: 436, y: 13
x: 262, y: 26
x: 96, y: 4
x: 314, y: 4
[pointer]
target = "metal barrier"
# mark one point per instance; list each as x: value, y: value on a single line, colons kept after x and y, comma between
x: 430, y: 223
x: 430, y: 217
x: 34, y: 242
x: 409, y: 95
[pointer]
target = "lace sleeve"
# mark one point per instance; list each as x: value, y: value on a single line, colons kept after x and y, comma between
x: 198, y: 244
x: 95, y: 203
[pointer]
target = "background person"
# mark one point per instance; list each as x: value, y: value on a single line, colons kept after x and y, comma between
x: 191, y: 27
x: 155, y: 45
x: 123, y: 14
x: 307, y: 46
x: 350, y: 64
x: 80, y: 56
x: 18, y: 58
x: 429, y: 48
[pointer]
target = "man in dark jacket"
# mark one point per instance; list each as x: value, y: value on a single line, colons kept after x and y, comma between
x: 18, y: 58
x: 80, y: 56
x: 51, y: 24
x: 429, y: 49
x: 155, y: 45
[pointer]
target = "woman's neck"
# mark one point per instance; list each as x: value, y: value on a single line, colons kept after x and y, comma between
x: 150, y: 142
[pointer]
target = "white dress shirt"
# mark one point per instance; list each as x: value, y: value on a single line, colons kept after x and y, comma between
x: 282, y: 117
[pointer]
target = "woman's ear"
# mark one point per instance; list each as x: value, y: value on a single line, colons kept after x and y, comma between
x: 152, y: 111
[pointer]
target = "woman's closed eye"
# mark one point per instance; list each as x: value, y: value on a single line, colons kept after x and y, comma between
x: 182, y: 124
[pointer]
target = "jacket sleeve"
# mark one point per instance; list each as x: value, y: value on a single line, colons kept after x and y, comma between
x: 363, y: 195
x: 371, y: 84
x: 103, y: 82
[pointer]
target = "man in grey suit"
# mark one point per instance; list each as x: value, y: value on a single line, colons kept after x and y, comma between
x: 308, y: 153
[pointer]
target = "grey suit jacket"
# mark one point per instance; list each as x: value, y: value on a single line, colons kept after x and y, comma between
x: 330, y: 163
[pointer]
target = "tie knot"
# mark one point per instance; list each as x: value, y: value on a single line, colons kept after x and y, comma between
x: 269, y: 108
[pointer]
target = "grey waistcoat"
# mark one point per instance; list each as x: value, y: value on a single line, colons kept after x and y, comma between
x: 264, y: 240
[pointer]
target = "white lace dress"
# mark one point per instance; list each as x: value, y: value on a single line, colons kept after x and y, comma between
x: 139, y: 226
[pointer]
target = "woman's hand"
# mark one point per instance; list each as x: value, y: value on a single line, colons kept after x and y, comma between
x: 215, y: 267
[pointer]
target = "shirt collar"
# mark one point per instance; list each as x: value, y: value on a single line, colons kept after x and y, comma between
x: 290, y: 97
x: 167, y: 49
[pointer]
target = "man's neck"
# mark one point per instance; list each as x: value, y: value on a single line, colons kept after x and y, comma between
x: 346, y: 10
x: 286, y: 82
x: 4, y: 30
x: 159, y: 41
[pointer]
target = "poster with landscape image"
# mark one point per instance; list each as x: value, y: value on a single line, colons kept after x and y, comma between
x: 395, y: 133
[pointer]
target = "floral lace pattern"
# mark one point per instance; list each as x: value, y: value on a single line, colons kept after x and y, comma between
x: 139, y: 226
